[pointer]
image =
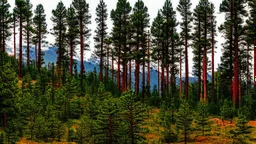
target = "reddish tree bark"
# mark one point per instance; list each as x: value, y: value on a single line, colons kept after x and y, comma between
x: 137, y: 74
x: 205, y: 77
x: 148, y: 78
x: 81, y: 49
x: 254, y: 78
x: 124, y: 78
x: 186, y: 66
x: 107, y: 66
x: 130, y: 75
x: 163, y: 83
x: 20, y: 53
x: 118, y: 67
x: 213, y: 100
x: 180, y: 74
x: 28, y: 50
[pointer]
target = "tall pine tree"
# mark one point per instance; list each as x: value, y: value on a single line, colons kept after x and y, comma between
x: 59, y: 31
x: 184, y: 9
x: 41, y: 31
x: 84, y: 18
x: 102, y: 15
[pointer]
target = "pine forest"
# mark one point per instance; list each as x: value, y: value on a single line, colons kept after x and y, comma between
x: 128, y: 71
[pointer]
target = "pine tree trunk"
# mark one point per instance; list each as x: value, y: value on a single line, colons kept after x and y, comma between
x: 107, y: 66
x: 148, y: 78
x: 101, y: 59
x: 112, y: 66
x: 158, y: 73
x: 205, y: 58
x: 130, y: 75
x: 137, y: 78
x: 186, y: 65
x: 71, y: 58
x: 39, y: 50
x: 236, y: 86
x: 231, y: 49
x: 14, y: 37
x: 124, y: 77
x: 163, y: 83
x: 213, y: 100
x: 180, y: 74
x: 254, y: 78
x: 143, y: 79
x: 36, y: 55
x: 28, y: 51
x: 82, y: 50
x: 199, y: 62
x: 20, y: 53
x: 118, y: 68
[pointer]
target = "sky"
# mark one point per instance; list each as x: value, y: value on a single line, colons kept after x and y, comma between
x: 153, y: 7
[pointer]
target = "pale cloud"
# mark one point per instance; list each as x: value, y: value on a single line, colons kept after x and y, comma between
x: 153, y: 6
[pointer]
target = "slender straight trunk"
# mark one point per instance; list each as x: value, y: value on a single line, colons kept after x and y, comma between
x: 172, y: 68
x: 137, y: 72
x: 186, y: 64
x: 82, y: 50
x: 180, y: 74
x: 71, y: 58
x: 162, y: 82
x: 39, y: 50
x: 118, y: 67
x: 107, y: 66
x: 213, y: 100
x: 143, y: 78
x: 148, y: 78
x: 231, y: 50
x: 130, y: 75
x: 236, y: 82
x: 101, y: 59
x: 14, y: 37
x: 20, y: 53
x: 36, y: 55
x: 236, y: 79
x: 3, y: 38
x: 205, y: 58
x: 124, y: 78
x: 112, y: 66
x: 158, y: 73
x: 199, y: 62
x: 28, y: 50
x: 167, y: 79
x: 204, y: 78
x: 254, y: 78
x: 60, y: 57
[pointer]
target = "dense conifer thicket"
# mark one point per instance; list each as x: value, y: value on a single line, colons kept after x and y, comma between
x: 55, y: 102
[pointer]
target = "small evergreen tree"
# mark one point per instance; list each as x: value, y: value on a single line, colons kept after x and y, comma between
x: 184, y: 119
x: 202, y: 118
x: 227, y: 111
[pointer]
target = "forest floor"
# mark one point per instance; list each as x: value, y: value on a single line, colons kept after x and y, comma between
x: 218, y: 133
x: 153, y: 132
